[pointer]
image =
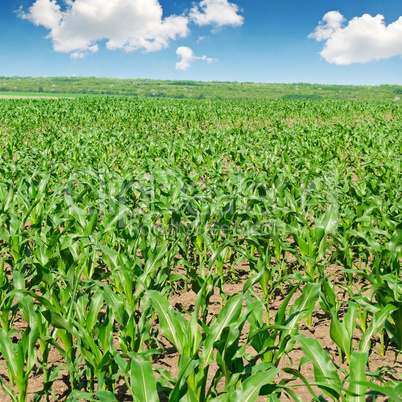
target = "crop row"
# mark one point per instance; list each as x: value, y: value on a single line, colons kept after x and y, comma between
x: 109, y: 208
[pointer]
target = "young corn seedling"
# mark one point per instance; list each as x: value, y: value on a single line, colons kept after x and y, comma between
x: 326, y: 376
x: 134, y: 327
x: 272, y: 342
x: 341, y: 332
x: 20, y: 357
x: 312, y: 241
x: 194, y: 362
x: 7, y: 306
x: 59, y: 302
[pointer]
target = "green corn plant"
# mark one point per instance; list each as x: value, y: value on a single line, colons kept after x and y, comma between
x: 312, y: 241
x: 267, y: 246
x: 219, y: 257
x: 95, y: 340
x: 85, y: 229
x: 273, y: 342
x: 326, y: 376
x: 187, y: 338
x: 377, y: 325
x: 341, y: 332
x: 139, y: 376
x: 20, y: 357
x: 357, y: 377
x: 325, y: 372
x: 281, y: 247
x: 60, y: 294
x: 14, y: 236
x: 29, y: 196
x: 45, y: 340
x: 384, y: 316
x: 134, y: 327
x: 45, y: 337
x: 7, y: 306
x: 392, y: 390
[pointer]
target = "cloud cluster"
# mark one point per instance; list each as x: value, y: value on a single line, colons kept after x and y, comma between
x: 217, y: 13
x: 363, y: 39
x: 123, y: 24
x: 187, y: 56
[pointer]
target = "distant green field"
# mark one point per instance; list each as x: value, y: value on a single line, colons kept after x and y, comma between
x: 11, y: 95
x: 185, y: 89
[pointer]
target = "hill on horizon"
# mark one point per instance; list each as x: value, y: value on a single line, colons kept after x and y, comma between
x: 184, y: 89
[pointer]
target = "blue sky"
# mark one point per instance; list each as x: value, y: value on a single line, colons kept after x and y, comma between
x: 317, y: 41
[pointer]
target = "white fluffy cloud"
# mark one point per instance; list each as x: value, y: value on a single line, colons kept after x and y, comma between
x: 331, y: 22
x: 124, y: 24
x: 363, y: 39
x: 187, y: 56
x: 44, y: 12
x: 217, y: 13
x: 76, y: 26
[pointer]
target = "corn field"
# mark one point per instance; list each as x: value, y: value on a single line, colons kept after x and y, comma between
x: 182, y: 250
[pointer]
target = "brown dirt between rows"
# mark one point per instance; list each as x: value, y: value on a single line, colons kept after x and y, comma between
x: 169, y: 359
